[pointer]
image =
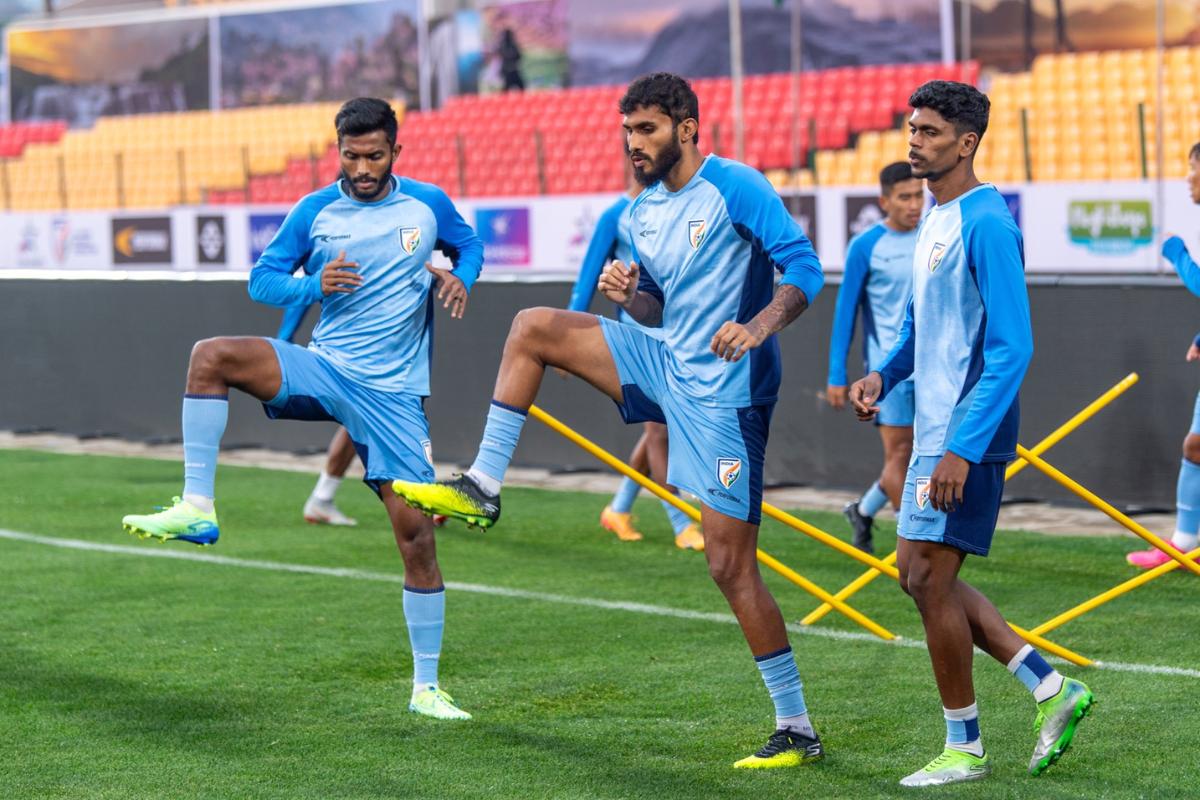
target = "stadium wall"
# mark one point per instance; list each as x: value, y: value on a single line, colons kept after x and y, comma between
x: 97, y: 357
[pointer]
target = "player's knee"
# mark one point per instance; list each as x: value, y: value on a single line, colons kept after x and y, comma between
x: 531, y: 325
x: 656, y: 434
x: 1191, y: 448
x: 727, y: 571
x: 209, y: 356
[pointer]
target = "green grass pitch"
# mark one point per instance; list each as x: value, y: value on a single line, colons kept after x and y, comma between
x: 124, y: 676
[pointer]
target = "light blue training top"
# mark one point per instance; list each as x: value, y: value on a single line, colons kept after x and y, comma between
x: 966, y: 338
x: 877, y: 279
x: 381, y: 334
x: 609, y: 240
x: 1175, y: 251
x: 709, y: 253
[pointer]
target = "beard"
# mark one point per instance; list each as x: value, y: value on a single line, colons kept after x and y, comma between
x: 372, y: 192
x: 659, y: 167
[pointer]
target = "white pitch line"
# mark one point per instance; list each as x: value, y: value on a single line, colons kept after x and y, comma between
x: 519, y: 594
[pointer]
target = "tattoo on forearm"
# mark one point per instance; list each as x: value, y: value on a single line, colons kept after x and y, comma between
x: 646, y: 309
x: 788, y: 303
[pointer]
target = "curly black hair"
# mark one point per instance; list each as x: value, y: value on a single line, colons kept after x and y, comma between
x: 1195, y: 151
x: 669, y: 92
x: 892, y: 174
x: 960, y: 104
x: 364, y: 115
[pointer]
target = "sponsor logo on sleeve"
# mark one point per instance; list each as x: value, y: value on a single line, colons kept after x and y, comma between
x: 410, y: 239
x: 697, y: 228
x: 728, y: 471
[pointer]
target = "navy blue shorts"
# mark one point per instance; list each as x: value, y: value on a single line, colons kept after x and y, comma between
x: 969, y: 527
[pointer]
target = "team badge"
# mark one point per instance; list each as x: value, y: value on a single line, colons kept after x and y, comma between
x: 728, y: 471
x: 427, y: 446
x: 410, y: 239
x: 922, y: 486
x: 697, y: 228
x: 935, y: 255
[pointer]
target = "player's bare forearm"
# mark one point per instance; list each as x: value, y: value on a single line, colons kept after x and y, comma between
x: 645, y: 308
x: 788, y: 303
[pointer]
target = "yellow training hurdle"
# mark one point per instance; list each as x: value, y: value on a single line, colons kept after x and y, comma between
x: 795, y: 523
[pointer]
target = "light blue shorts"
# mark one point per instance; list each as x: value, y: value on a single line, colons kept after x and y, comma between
x: 969, y: 527
x: 1195, y: 431
x: 899, y: 407
x: 389, y: 429
x: 714, y: 453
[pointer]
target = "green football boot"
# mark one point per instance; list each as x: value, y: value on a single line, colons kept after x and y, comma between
x: 458, y: 498
x: 1056, y: 722
x: 952, y: 766
x: 182, y: 521
x: 433, y: 702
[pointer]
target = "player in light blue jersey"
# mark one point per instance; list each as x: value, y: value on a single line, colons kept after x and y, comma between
x: 1187, y: 492
x: 610, y: 240
x: 707, y: 237
x: 878, y: 280
x: 966, y: 342
x: 367, y: 366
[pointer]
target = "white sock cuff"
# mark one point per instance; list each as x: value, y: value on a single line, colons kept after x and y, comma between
x: 326, y: 488
x: 1018, y: 658
x: 201, y: 502
x: 962, y: 714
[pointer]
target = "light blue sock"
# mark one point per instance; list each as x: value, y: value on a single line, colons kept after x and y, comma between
x: 962, y: 729
x: 204, y: 418
x: 627, y: 492
x: 782, y: 678
x: 679, y: 520
x: 872, y: 500
x: 1033, y: 671
x: 500, y: 437
x: 1187, y: 499
x: 425, y: 613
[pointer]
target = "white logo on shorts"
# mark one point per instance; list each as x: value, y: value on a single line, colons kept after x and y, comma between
x: 728, y: 471
x: 922, y: 487
x: 427, y: 446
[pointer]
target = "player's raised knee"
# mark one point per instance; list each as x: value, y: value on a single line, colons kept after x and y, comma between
x: 533, y: 324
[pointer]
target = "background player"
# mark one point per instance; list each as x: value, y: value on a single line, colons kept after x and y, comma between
x: 878, y: 280
x: 966, y: 342
x: 611, y: 240
x: 1187, y: 492
x: 708, y: 235
x: 367, y: 366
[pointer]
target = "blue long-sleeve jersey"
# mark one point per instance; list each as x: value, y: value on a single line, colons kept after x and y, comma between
x: 966, y: 337
x: 709, y: 253
x: 877, y: 279
x: 1175, y: 251
x: 609, y: 240
x: 381, y: 334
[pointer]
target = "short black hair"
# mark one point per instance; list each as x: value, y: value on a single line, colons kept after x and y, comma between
x: 364, y: 115
x: 668, y: 91
x: 892, y: 174
x: 1195, y: 151
x: 960, y: 104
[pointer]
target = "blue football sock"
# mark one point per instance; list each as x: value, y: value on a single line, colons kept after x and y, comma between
x: 1033, y: 671
x: 962, y: 729
x: 204, y: 418
x: 1187, y: 498
x: 679, y: 520
x: 425, y: 613
x: 872, y: 500
x: 627, y: 492
x: 782, y: 678
x: 500, y: 437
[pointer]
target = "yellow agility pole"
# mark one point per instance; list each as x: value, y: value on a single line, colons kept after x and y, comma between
x: 1108, y: 509
x: 870, y: 560
x: 1074, y: 422
x: 661, y: 493
x: 1111, y: 594
x: 1045, y: 444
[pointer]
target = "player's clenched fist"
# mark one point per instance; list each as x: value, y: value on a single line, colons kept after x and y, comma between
x: 733, y: 340
x: 339, y: 276
x: 618, y: 282
x: 864, y: 396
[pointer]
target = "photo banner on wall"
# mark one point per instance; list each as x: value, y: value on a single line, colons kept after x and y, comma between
x: 79, y: 74
x: 321, y: 54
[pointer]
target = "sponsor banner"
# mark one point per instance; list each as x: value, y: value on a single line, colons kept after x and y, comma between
x: 505, y: 235
x: 803, y: 208
x: 55, y: 241
x: 211, y: 240
x: 263, y: 228
x: 862, y: 213
x: 141, y: 240
x: 1091, y: 227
